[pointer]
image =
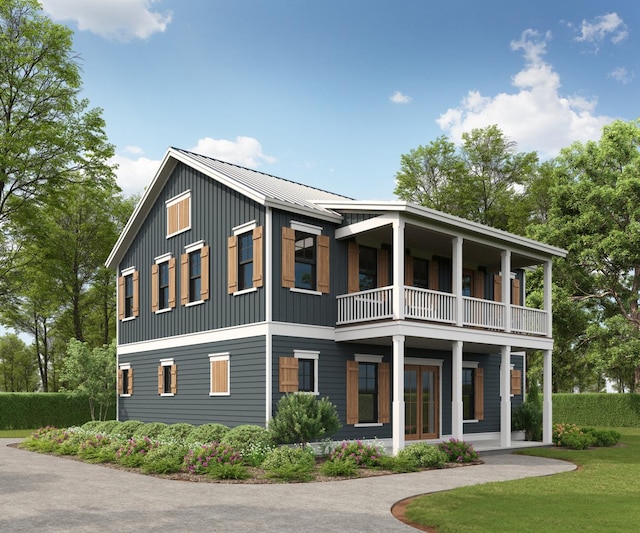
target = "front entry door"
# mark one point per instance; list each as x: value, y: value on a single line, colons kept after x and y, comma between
x: 421, y: 402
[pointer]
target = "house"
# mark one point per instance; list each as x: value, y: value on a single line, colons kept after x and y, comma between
x: 236, y: 287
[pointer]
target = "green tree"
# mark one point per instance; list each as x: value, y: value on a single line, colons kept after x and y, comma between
x: 17, y: 365
x: 91, y: 372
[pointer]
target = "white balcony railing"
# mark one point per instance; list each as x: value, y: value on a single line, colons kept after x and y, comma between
x: 435, y: 306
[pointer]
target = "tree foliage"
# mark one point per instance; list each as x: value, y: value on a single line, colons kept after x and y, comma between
x: 17, y: 365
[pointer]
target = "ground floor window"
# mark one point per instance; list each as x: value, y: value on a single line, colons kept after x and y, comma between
x: 125, y: 380
x: 472, y: 392
x: 368, y: 390
x: 167, y: 377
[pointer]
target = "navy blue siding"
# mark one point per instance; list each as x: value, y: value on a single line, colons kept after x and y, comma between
x: 192, y: 403
x: 215, y: 210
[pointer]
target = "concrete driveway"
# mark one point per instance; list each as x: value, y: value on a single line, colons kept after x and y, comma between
x: 45, y: 493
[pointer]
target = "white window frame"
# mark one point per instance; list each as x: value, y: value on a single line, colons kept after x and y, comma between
x: 172, y: 201
x: 237, y: 231
x: 189, y: 248
x: 367, y: 358
x: 315, y: 357
x: 167, y: 362
x: 164, y: 258
x: 129, y: 271
x: 220, y: 357
x: 313, y: 230
x: 124, y: 366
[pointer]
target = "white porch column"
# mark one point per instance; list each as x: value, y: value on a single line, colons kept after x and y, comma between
x: 505, y: 397
x: 547, y: 409
x: 456, y: 278
x: 457, y: 430
x: 398, y: 269
x: 547, y: 295
x: 506, y: 287
x: 398, y: 394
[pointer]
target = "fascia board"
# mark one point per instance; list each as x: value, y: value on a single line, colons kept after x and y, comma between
x: 299, y: 209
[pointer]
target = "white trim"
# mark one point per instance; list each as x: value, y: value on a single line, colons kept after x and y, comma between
x: 186, y: 195
x: 127, y: 271
x: 197, y: 302
x: 470, y: 364
x: 198, y: 245
x: 369, y: 425
x: 169, y: 361
x: 306, y: 228
x: 163, y: 258
x: 421, y: 361
x: 305, y: 291
x: 223, y: 356
x: 366, y: 358
x: 178, y: 198
x: 124, y: 366
x: 128, y: 318
x: 268, y: 313
x: 244, y: 228
x: 314, y: 356
x: 245, y: 291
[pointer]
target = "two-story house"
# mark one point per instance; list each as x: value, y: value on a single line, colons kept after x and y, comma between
x: 236, y: 287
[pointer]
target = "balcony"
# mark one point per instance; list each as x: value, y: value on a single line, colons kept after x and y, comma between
x: 435, y: 306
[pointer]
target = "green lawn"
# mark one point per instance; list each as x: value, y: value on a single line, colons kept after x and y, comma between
x: 602, y: 495
x: 12, y: 433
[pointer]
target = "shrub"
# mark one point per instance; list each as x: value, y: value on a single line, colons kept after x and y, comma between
x: 301, y: 418
x: 602, y: 410
x: 228, y: 471
x: 363, y: 455
x: 198, y: 461
x: 339, y: 468
x: 107, y: 427
x: 578, y: 441
x: 165, y: 459
x: 528, y: 416
x: 97, y: 449
x: 179, y: 432
x: 423, y: 455
x: 286, y: 456
x: 132, y: 453
x: 205, y: 433
x: 91, y: 425
x: 458, y: 451
x: 299, y: 472
x: 243, y: 438
x: 47, y: 440
x: 603, y: 437
x: 129, y: 427
x: 150, y: 429
x: 570, y: 436
x: 561, y: 430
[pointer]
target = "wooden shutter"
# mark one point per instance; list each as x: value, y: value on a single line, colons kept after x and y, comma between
x: 257, y: 257
x: 353, y: 267
x: 434, y: 275
x: 408, y: 270
x: 323, y: 263
x: 516, y: 298
x: 384, y: 393
x: 288, y: 257
x: 160, y: 379
x: 172, y: 219
x: 383, y: 267
x: 516, y: 382
x: 120, y: 387
x: 121, y: 298
x: 497, y: 288
x: 183, y: 213
x: 478, y: 284
x: 352, y: 392
x: 154, y: 288
x: 184, y: 279
x: 232, y: 264
x: 172, y: 282
x: 130, y: 381
x: 136, y: 293
x: 174, y: 379
x: 204, y: 273
x: 219, y: 376
x: 479, y: 394
x: 288, y: 374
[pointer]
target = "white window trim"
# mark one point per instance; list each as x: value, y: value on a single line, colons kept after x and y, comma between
x: 124, y: 366
x: 167, y: 362
x: 172, y: 201
x: 369, y: 425
x: 245, y: 291
x: 163, y: 258
x: 315, y: 356
x: 244, y: 228
x: 367, y: 358
x: 220, y: 357
x: 129, y: 271
x: 305, y: 291
x: 194, y: 246
x: 306, y: 228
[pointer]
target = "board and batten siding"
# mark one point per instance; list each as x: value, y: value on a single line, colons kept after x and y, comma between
x: 215, y: 210
x: 244, y: 405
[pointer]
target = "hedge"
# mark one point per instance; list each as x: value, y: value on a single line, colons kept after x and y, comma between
x: 31, y: 410
x: 605, y: 410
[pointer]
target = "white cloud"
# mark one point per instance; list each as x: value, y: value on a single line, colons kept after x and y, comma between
x: 113, y: 19
x: 135, y: 173
x: 621, y: 74
x: 597, y: 31
x: 537, y: 116
x: 244, y: 151
x: 398, y: 98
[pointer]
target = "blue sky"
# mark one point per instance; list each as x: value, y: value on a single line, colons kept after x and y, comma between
x: 332, y: 93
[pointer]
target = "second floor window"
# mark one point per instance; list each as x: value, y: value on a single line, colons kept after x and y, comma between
x: 305, y: 253
x: 420, y: 273
x: 305, y: 258
x: 195, y: 276
x: 368, y: 268
x: 245, y: 261
x: 163, y: 285
x: 128, y: 296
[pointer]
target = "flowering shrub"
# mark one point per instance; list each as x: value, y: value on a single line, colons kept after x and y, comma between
x: 242, y: 438
x: 285, y: 456
x: 423, y: 455
x: 132, y: 453
x: 571, y: 436
x: 560, y: 431
x: 164, y: 459
x: 202, y: 459
x: 363, y: 455
x: 97, y: 449
x: 458, y: 451
x: 212, y: 432
x: 178, y: 431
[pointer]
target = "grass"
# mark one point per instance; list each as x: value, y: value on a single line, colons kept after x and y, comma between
x: 602, y: 495
x: 15, y: 433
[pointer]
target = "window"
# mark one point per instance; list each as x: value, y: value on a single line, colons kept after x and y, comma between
x: 167, y: 377
x: 472, y: 392
x: 163, y: 283
x: 128, y: 294
x: 305, y: 258
x: 125, y: 380
x: 368, y: 390
x: 245, y: 258
x: 420, y: 273
x: 219, y: 372
x: 368, y: 268
x: 300, y: 372
x: 178, y: 214
x: 194, y: 274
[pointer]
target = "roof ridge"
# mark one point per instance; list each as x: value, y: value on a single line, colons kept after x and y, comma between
x: 260, y: 172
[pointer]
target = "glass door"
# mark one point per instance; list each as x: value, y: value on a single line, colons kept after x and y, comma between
x: 421, y: 402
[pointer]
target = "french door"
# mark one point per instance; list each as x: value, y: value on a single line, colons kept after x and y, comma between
x: 421, y: 402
